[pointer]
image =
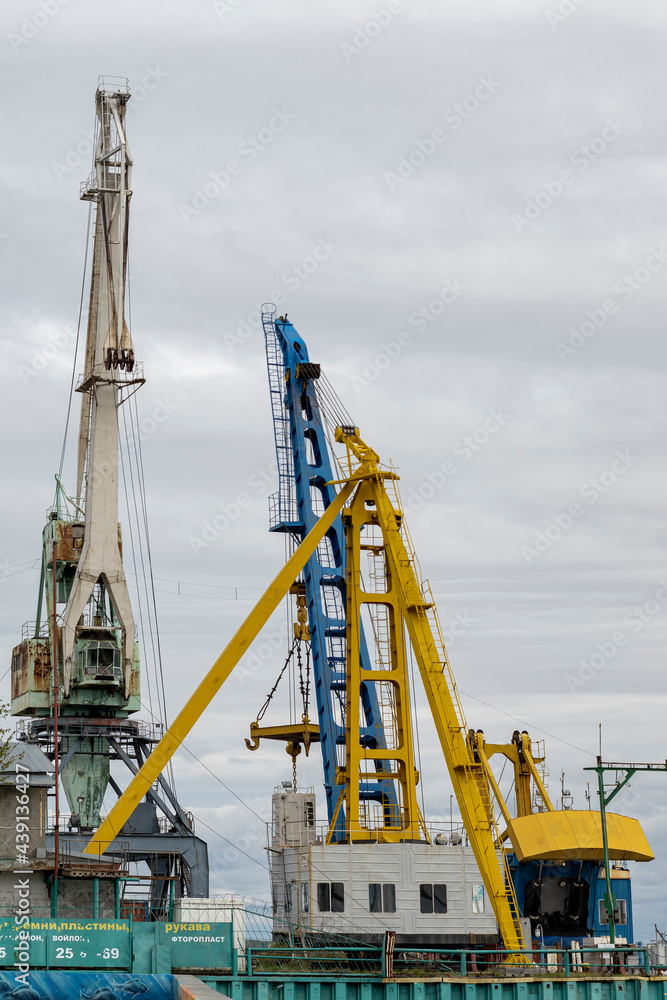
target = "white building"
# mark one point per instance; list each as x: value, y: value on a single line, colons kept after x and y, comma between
x: 426, y: 893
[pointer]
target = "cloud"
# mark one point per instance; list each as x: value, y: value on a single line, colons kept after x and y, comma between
x: 195, y: 282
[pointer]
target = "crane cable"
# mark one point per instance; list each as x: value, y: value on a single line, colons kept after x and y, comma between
x: 132, y: 441
x: 76, y: 346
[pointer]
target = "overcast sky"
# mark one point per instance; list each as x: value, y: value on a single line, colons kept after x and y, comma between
x: 482, y: 182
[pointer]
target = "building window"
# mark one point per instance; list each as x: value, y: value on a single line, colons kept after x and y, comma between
x: 620, y: 912
x: 305, y: 897
x: 382, y: 898
x: 330, y: 897
x: 288, y: 898
x: 478, y: 899
x: 337, y: 897
x: 309, y: 813
x: 433, y: 898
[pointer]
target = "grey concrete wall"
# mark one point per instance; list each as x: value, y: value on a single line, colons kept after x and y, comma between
x: 36, y: 820
x: 75, y: 896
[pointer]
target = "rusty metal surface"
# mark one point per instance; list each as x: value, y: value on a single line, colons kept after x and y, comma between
x: 31, y: 667
x: 69, y: 540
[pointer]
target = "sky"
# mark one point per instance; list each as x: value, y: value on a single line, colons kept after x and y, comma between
x: 459, y: 206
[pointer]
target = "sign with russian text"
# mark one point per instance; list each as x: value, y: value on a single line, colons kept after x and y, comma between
x: 198, y: 945
x: 61, y: 943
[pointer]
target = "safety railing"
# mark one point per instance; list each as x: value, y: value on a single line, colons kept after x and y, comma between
x: 336, y: 960
x: 560, y: 962
x: 376, y: 961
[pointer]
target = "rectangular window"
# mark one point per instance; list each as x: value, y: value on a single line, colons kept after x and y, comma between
x: 433, y: 898
x: 337, y: 897
x: 439, y: 898
x: 308, y: 813
x: 478, y: 899
x: 389, y: 898
x: 381, y: 898
x: 620, y: 912
x: 288, y: 898
x: 426, y: 898
x: 305, y: 897
x: 323, y: 897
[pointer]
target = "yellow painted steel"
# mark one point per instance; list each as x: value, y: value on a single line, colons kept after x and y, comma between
x: 577, y: 833
x: 420, y: 618
x: 393, y: 763
x: 214, y: 680
x: 520, y: 754
x: 478, y: 742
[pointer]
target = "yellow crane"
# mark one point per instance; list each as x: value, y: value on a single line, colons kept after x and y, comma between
x: 370, y: 502
x: 373, y: 521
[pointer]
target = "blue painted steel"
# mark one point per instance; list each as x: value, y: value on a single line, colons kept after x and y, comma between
x: 304, y: 470
x: 586, y: 872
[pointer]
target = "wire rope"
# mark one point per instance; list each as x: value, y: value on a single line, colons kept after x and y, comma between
x: 76, y: 345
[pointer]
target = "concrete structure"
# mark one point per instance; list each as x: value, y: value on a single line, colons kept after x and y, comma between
x: 77, y: 875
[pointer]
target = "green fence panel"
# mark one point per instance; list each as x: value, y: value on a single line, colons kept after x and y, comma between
x: 62, y: 943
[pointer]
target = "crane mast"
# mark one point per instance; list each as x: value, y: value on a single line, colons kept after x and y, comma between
x: 304, y: 490
x: 109, y: 363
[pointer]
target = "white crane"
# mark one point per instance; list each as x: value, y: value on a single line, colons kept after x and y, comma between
x: 109, y: 367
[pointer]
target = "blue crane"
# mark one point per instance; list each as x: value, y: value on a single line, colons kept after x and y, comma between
x: 304, y: 491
